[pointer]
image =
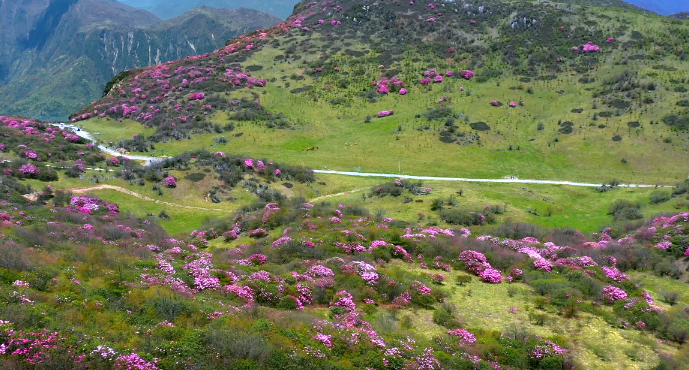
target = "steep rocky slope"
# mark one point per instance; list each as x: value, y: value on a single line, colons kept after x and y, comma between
x: 74, y: 47
x: 171, y: 8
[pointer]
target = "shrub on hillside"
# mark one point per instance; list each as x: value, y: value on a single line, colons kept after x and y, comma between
x: 660, y: 197
x: 623, y: 210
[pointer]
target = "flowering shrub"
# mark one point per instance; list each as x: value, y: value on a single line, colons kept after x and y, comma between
x: 611, y: 294
x: 170, y: 182
x: 474, y: 261
x: 491, y: 276
x: 90, y: 205
x: 343, y: 301
x: 588, y: 47
x: 542, y: 264
x: 325, y: 339
x: 465, y: 338
x: 467, y: 74
x: 133, y: 362
x: 258, y: 233
x: 258, y: 259
x: 319, y: 271
x: 438, y: 278
x: 281, y: 241
x: 29, y: 169
x: 402, y: 300
x: 547, y: 350
x: 420, y: 288
x: 614, y: 274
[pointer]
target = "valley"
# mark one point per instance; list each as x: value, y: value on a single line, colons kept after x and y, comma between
x: 380, y: 185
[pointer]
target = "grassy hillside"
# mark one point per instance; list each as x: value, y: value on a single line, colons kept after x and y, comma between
x: 99, y: 284
x: 619, y: 112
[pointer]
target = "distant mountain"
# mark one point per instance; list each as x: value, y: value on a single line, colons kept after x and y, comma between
x: 682, y: 15
x: 56, y: 56
x: 664, y: 7
x: 171, y: 8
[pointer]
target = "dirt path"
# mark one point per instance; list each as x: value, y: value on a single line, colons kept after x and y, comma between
x: 139, y: 196
x: 338, y: 194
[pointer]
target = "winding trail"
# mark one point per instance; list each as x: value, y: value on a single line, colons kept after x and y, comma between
x: 149, y: 160
x: 86, y: 135
x: 139, y: 196
x: 338, y: 194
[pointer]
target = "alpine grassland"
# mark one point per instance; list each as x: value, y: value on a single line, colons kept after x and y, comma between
x: 228, y: 248
x: 618, y: 109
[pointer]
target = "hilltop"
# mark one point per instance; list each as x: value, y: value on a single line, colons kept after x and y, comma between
x: 57, y: 56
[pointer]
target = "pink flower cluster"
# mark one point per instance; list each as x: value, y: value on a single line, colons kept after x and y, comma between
x: 281, y: 241
x: 465, y: 337
x: 258, y: 259
x: 89, y: 205
x: 491, y: 276
x: 474, y: 261
x: 258, y: 233
x: 317, y: 271
x: 134, y: 362
x: 547, y: 350
x: 170, y: 182
x: 543, y: 264
x: 438, y: 278
x: 383, y: 85
x: 325, y: 339
x: 466, y: 74
x: 402, y: 300
x: 614, y: 274
x: 586, y: 48
x: 612, y: 293
x: 420, y: 288
x: 344, y: 299
x: 29, y: 169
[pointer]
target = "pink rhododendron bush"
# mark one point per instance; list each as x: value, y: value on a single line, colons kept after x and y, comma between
x: 38, y: 146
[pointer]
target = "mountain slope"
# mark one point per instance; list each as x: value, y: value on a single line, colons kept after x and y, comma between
x: 71, y: 52
x: 167, y: 9
x: 555, y: 92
